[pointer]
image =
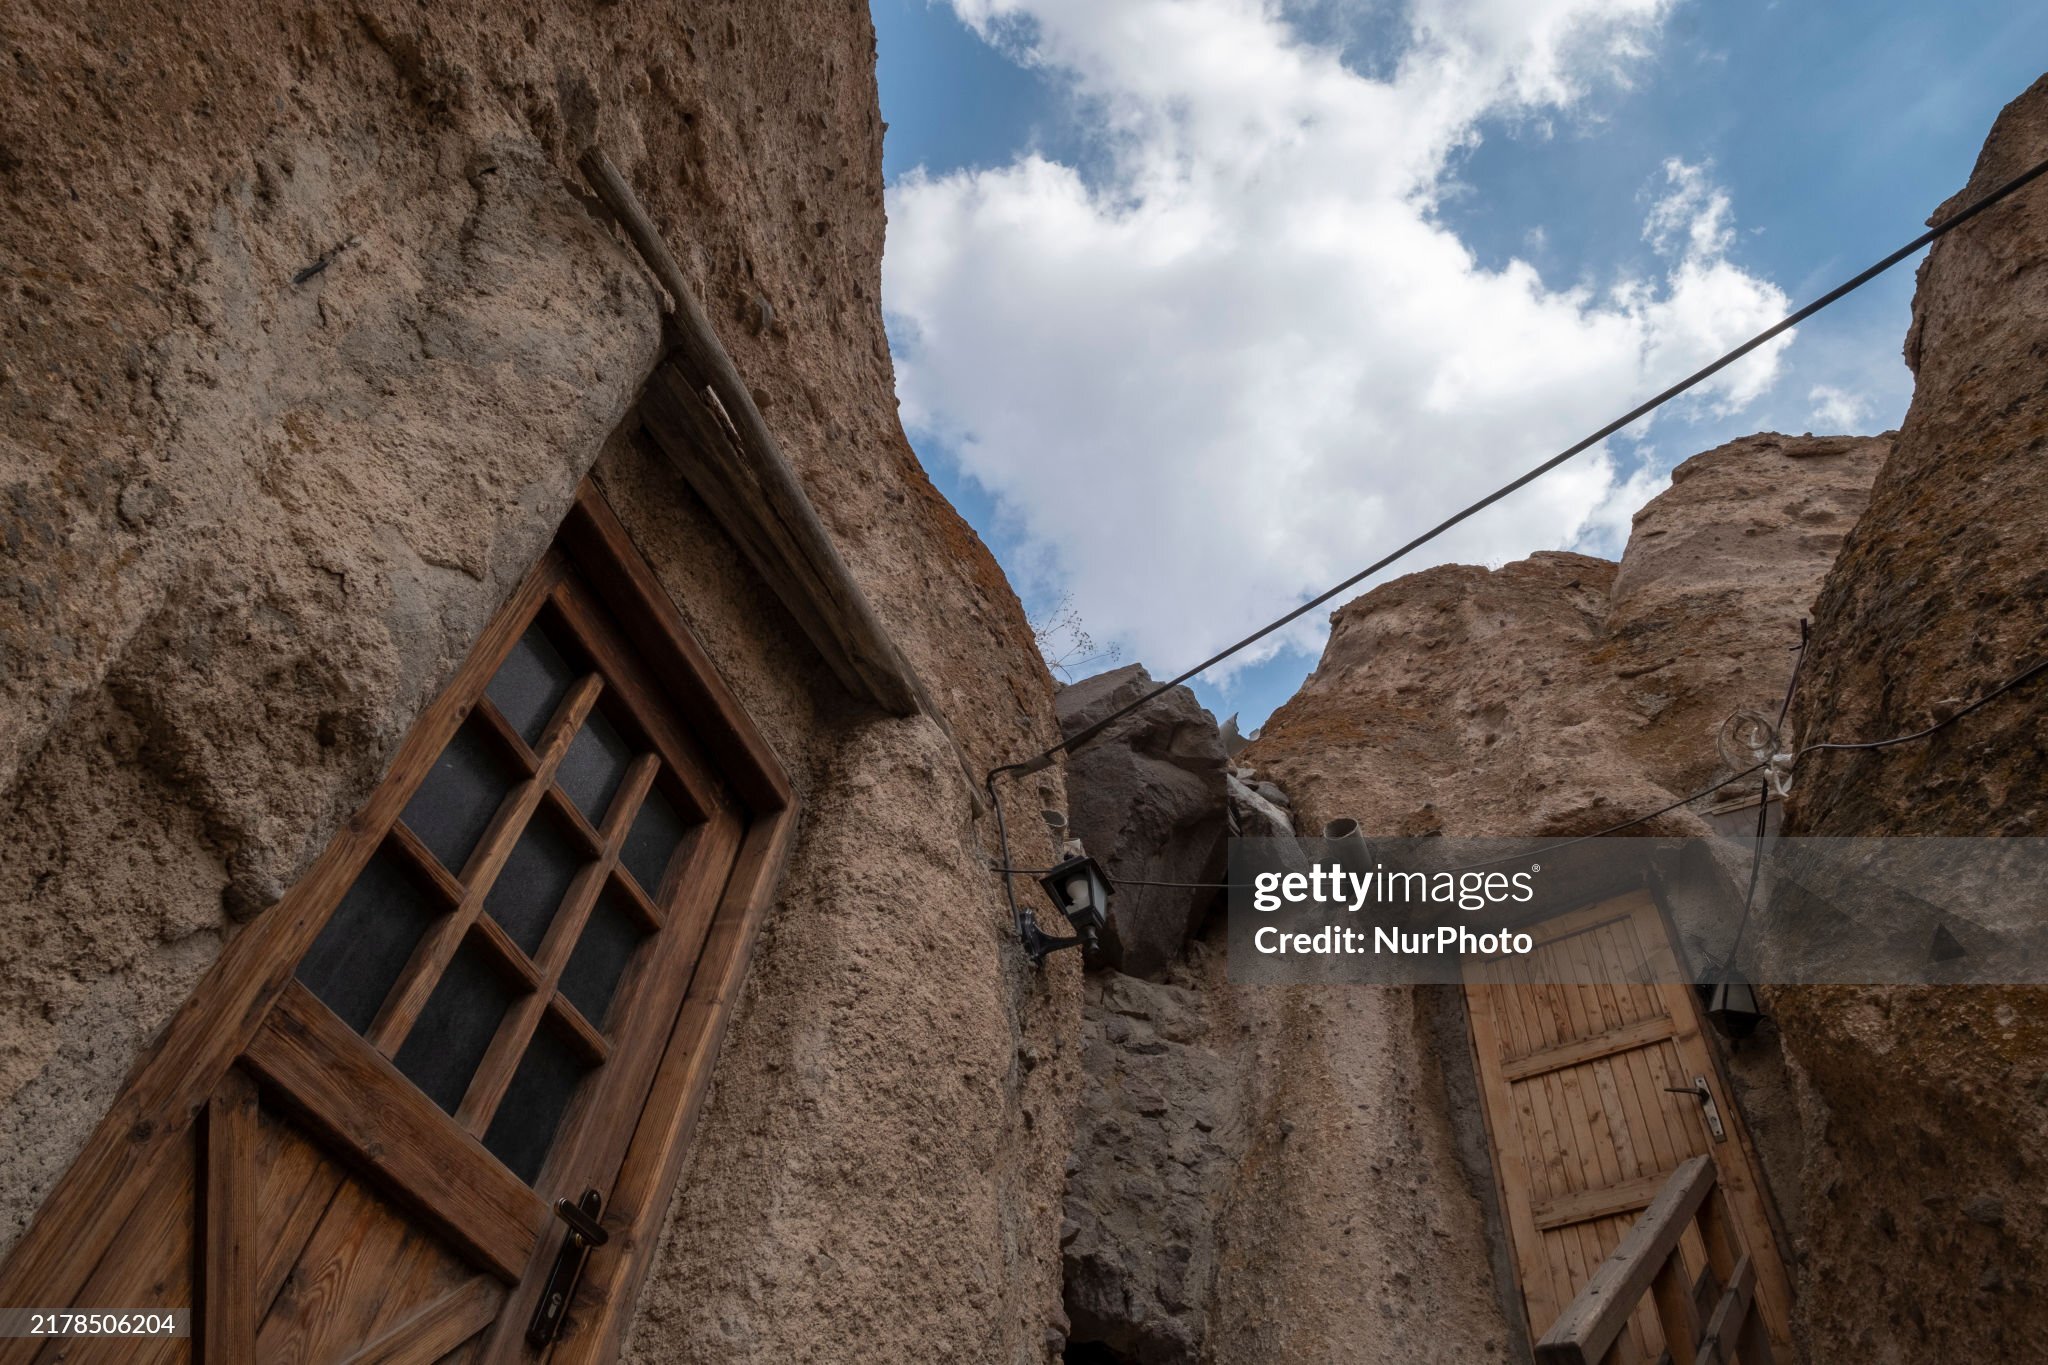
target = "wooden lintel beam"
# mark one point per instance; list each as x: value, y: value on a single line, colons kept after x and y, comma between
x: 746, y: 480
x: 703, y: 418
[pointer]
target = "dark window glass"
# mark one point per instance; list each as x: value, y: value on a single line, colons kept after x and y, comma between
x: 368, y: 939
x: 454, y: 805
x: 535, y: 877
x: 593, y: 767
x: 657, y: 829
x: 592, y: 976
x: 524, y: 1127
x: 448, y: 1040
x: 531, y: 683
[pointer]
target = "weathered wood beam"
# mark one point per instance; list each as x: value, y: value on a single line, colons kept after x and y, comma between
x: 748, y: 483
x: 704, y: 419
x: 1591, y: 1322
x: 1718, y: 1343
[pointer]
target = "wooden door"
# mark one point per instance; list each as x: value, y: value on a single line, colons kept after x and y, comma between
x: 1585, y: 1049
x: 498, y: 989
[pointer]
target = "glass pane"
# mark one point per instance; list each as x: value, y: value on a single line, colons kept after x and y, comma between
x: 657, y: 829
x: 524, y: 1127
x: 448, y: 1040
x: 531, y: 683
x: 533, y: 881
x: 455, y: 804
x: 593, y: 767
x: 367, y: 940
x: 601, y: 955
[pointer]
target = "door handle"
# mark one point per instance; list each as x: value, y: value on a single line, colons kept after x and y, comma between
x: 1709, y: 1110
x: 584, y: 1233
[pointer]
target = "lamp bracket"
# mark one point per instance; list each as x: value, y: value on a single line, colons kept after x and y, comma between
x: 1042, y: 945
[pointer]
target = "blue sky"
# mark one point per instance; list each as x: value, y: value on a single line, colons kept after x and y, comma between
x: 1155, y: 345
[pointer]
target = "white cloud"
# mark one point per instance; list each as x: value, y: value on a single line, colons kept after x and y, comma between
x: 1837, y: 410
x: 1242, y: 357
x: 1691, y: 219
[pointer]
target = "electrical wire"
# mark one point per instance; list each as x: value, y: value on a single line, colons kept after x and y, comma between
x: 1763, y: 800
x: 1027, y: 929
x: 2025, y: 675
x: 1630, y: 823
x: 1693, y: 380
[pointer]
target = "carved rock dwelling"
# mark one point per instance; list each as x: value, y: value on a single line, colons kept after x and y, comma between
x: 491, y: 713
x: 358, y: 616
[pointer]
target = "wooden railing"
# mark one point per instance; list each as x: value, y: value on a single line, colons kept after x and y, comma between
x: 1648, y: 1262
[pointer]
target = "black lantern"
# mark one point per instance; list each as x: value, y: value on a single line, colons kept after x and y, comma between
x: 1732, y: 1007
x: 1080, y: 890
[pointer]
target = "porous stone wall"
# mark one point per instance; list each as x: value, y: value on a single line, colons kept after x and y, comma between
x: 1260, y: 1175
x: 1926, y: 1109
x: 1562, y: 693
x: 1557, y: 695
x: 310, y: 333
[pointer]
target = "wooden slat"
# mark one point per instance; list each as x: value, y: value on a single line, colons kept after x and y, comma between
x: 503, y: 953
x: 1605, y: 1202
x: 1586, y: 1048
x: 1739, y: 1162
x: 508, y: 736
x: 682, y: 672
x: 1655, y: 1104
x: 1551, y: 1286
x: 508, y: 1045
x: 1673, y: 1294
x: 1724, y: 1236
x: 149, y: 1265
x: 654, y: 1159
x: 299, y: 1182
x: 582, y: 833
x: 648, y: 1007
x: 354, y: 1258
x: 1718, y: 1342
x: 172, y: 1080
x: 434, y: 1329
x: 229, y: 1250
x: 637, y: 899
x: 1622, y: 1125
x: 381, y: 1122
x: 422, y: 971
x: 1589, y: 1325
x: 421, y: 860
x: 700, y: 785
x: 1512, y: 1165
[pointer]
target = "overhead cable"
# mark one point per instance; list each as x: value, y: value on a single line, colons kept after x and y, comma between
x: 2024, y: 676
x: 1074, y: 741
x: 1693, y: 380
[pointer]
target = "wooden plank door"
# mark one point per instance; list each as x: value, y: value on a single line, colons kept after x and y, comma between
x: 1585, y: 1048
x: 497, y: 990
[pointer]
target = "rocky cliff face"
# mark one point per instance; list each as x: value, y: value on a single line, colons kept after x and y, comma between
x: 1148, y: 800
x: 310, y: 334
x: 1562, y: 693
x: 1928, y: 1109
x: 1554, y: 696
x: 1280, y: 1174
x: 1264, y: 1175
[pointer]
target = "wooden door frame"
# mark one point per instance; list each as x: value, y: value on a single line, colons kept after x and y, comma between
x: 1732, y: 1115
x: 152, y: 1120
